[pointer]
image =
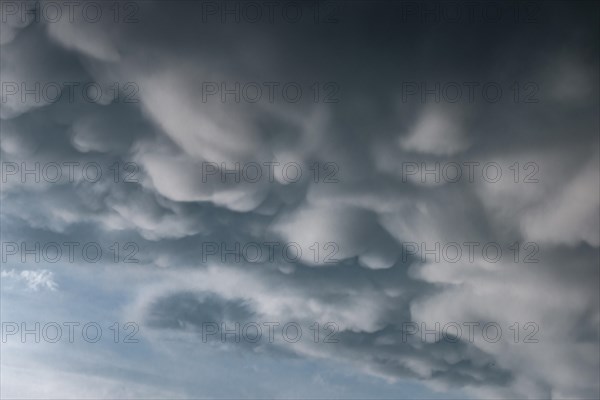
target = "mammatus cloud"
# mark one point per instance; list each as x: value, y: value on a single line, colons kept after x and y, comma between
x: 437, y: 132
x: 377, y: 211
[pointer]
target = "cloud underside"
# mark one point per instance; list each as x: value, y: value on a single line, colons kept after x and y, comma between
x: 369, y: 213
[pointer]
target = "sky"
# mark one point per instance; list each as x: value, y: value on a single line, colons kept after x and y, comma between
x: 299, y: 200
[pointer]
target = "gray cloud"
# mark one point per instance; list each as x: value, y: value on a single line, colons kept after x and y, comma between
x: 370, y: 212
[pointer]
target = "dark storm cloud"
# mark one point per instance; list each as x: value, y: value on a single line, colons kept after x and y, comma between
x: 376, y: 60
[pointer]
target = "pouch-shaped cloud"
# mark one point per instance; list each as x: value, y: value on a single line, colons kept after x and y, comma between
x: 352, y: 230
x: 438, y: 131
x: 340, y: 233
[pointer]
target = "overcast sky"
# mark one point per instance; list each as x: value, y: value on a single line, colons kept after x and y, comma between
x: 401, y: 197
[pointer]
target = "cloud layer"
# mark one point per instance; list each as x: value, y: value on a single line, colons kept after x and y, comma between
x: 377, y: 175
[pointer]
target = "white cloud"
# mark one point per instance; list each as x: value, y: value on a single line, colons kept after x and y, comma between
x: 34, y: 280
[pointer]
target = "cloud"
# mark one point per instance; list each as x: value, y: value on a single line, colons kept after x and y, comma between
x: 438, y: 131
x: 366, y: 215
x: 34, y: 280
